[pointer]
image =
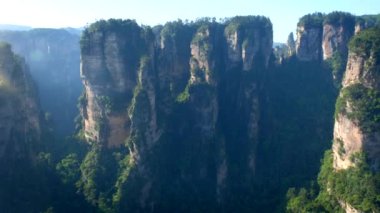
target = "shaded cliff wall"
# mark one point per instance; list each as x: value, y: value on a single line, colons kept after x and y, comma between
x: 20, y: 124
x: 53, y: 57
x: 20, y: 132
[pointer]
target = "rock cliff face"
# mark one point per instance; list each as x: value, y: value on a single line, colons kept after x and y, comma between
x: 53, y: 57
x: 326, y: 37
x: 176, y: 87
x: 356, y: 130
x: 355, y: 134
x: 19, y: 110
x: 323, y: 35
x: 348, y: 175
x: 335, y: 38
x: 308, y: 45
x: 109, y: 72
x: 338, y: 28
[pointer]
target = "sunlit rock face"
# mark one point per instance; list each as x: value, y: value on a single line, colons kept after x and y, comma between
x: 335, y: 38
x: 109, y: 76
x: 352, y: 134
x: 320, y: 36
x: 338, y: 28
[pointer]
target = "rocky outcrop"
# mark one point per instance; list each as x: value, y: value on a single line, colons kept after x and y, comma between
x: 351, y: 135
x: 173, y: 53
x: 338, y: 28
x: 308, y: 45
x: 203, y: 64
x: 361, y: 69
x: 348, y: 141
x: 320, y: 36
x: 148, y: 88
x: 335, y: 39
x: 309, y: 37
x: 20, y: 129
x: 348, y: 208
x: 245, y: 42
x: 109, y: 78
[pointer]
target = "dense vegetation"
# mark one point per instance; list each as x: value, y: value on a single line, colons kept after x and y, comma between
x: 337, y: 64
x: 257, y: 22
x: 122, y: 27
x: 368, y: 20
x: 358, y: 186
x: 366, y: 44
x: 314, y: 20
x: 343, y: 19
x: 364, y: 106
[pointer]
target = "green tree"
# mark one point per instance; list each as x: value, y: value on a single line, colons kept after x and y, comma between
x: 69, y: 168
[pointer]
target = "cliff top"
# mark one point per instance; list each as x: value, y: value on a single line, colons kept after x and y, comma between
x: 336, y: 18
x: 367, y: 43
x: 311, y: 20
x: 233, y: 23
x: 370, y: 20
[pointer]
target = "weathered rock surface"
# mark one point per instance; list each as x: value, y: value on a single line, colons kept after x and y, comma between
x: 362, y: 69
x: 335, y: 39
x: 308, y: 45
x: 355, y: 135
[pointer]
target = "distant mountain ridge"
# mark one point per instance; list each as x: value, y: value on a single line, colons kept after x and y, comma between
x: 14, y: 27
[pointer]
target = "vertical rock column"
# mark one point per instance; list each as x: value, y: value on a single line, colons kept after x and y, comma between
x: 309, y: 38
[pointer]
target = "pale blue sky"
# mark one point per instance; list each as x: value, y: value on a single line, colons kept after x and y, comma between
x: 75, y: 13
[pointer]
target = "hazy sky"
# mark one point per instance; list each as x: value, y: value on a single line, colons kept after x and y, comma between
x: 76, y: 13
